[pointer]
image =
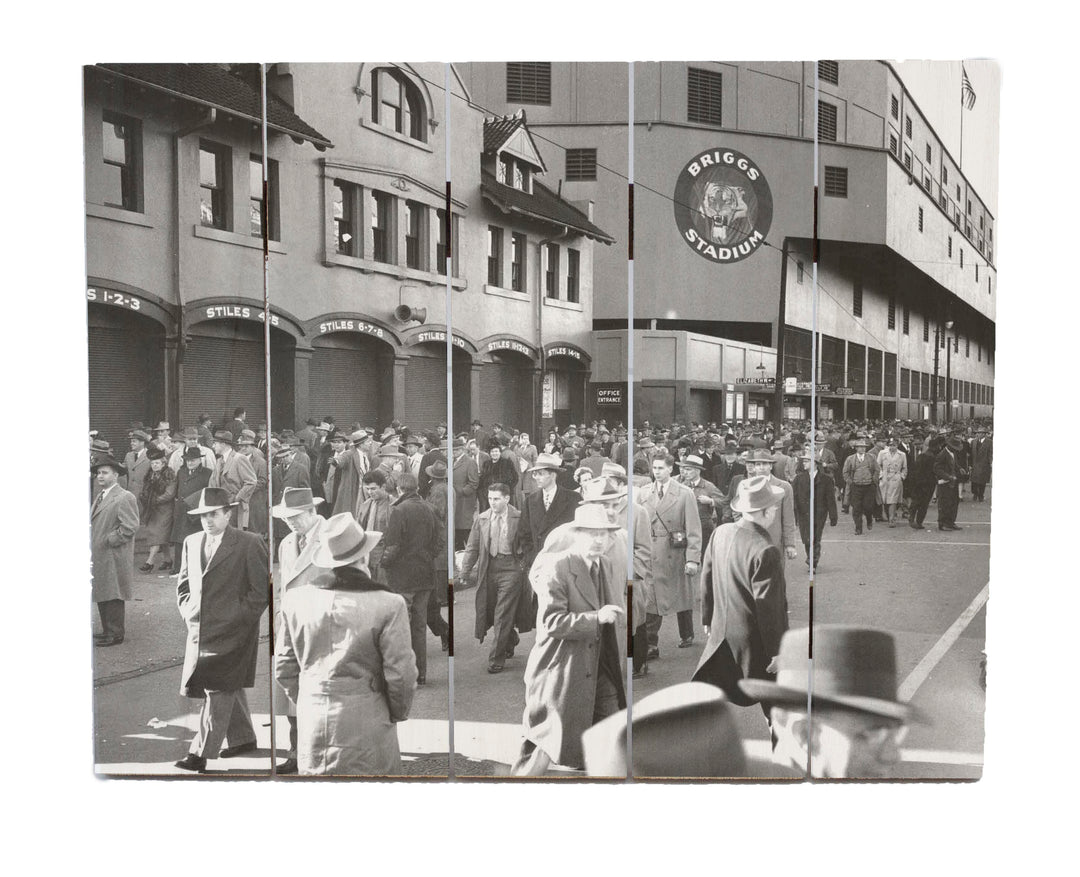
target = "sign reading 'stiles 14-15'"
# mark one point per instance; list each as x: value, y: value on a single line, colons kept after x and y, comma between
x: 723, y: 205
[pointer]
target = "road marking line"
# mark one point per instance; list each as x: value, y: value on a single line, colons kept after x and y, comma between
x: 762, y: 749
x: 932, y: 658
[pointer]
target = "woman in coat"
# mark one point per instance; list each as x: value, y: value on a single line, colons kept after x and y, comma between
x: 345, y: 660
x: 156, y: 502
x: 892, y: 470
x: 191, y: 480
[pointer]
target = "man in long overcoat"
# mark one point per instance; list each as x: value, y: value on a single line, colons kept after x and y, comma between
x: 222, y: 591
x: 949, y: 474
x: 114, y: 518
x: 745, y: 609
x: 573, y: 677
x: 672, y: 510
x: 235, y: 474
x: 466, y: 482
x: 545, y: 508
x: 982, y: 459
x: 408, y: 559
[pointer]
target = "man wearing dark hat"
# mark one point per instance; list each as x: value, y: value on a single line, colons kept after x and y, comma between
x: 136, y: 465
x: 297, y: 510
x: 439, y: 500
x: 857, y: 723
x: 728, y: 469
x: 709, y: 499
x: 949, y: 474
x: 222, y: 592
x: 258, y: 515
x: 745, y: 609
x: 191, y: 480
x: 861, y: 477
x: 408, y: 558
x: 114, y: 518
x: 982, y: 460
x: 466, y: 482
x: 190, y: 436
x: 347, y: 468
x: 306, y: 433
x: 434, y: 449
x: 206, y: 434
x: 233, y: 473
x: 290, y: 472
x: 237, y: 425
x: 574, y: 675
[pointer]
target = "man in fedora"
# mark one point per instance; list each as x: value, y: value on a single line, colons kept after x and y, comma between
x: 493, y: 558
x: 190, y: 436
x: 861, y: 478
x: 222, y: 592
x: 745, y: 608
x: 434, y: 450
x: 347, y: 468
x: 258, y: 516
x: 136, y: 465
x: 234, y: 474
x: 466, y: 482
x: 982, y: 463
x: 239, y: 422
x: 857, y: 723
x: 709, y: 499
x: 688, y: 730
x: 438, y: 498
x: 114, y: 518
x: 949, y: 474
x: 545, y: 508
x: 574, y: 675
x: 298, y: 510
x: 782, y: 529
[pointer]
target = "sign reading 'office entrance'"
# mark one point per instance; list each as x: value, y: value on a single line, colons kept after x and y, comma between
x: 723, y: 206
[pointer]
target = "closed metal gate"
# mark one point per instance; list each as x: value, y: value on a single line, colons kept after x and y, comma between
x: 424, y: 406
x: 221, y: 374
x: 127, y: 381
x: 345, y: 383
x: 506, y: 395
x: 704, y: 406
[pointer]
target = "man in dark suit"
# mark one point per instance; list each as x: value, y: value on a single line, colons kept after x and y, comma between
x: 408, y: 558
x: 114, y: 518
x: 949, y: 474
x: 239, y: 422
x: 434, y: 450
x: 235, y: 474
x: 923, y: 481
x: 544, y: 509
x: 824, y: 503
x: 745, y: 609
x: 724, y: 472
x: 222, y: 591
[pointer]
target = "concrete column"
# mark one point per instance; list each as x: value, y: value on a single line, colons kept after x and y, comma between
x: 474, y: 392
x: 302, y: 384
x: 398, y: 391
x: 172, y: 381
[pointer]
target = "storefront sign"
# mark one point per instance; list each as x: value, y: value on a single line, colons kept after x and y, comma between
x: 564, y: 351
x: 548, y: 395
x: 759, y: 382
x: 791, y: 385
x: 844, y: 391
x: 428, y: 337
x: 723, y: 205
x: 609, y: 396
x: 237, y: 312
x: 351, y: 326
x: 515, y: 346
x: 112, y: 297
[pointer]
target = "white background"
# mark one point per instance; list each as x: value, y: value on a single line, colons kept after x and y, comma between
x: 57, y: 813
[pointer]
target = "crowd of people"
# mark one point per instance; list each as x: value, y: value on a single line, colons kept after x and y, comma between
x: 359, y: 526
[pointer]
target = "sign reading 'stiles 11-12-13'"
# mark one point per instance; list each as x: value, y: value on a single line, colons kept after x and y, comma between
x: 723, y: 205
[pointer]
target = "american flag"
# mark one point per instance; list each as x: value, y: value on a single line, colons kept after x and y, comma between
x: 967, y: 93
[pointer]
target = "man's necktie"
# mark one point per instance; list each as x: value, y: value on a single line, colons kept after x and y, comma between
x: 301, y: 542
x: 97, y: 502
x: 547, y: 501
x: 496, y: 532
x: 660, y: 491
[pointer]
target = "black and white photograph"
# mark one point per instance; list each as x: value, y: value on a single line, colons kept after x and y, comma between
x: 422, y: 395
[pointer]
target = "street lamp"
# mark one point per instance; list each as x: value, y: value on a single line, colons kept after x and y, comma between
x: 948, y: 373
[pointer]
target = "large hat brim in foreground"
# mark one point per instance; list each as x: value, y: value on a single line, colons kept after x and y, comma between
x: 324, y: 557
x: 281, y: 512
x: 780, y: 695
x: 202, y: 510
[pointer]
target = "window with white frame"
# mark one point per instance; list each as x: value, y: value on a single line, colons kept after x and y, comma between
x: 551, y: 271
x: 346, y: 212
x: 382, y: 227
x: 262, y: 214
x: 416, y: 235
x: 573, y: 274
x: 518, y: 261
x: 494, y: 256
x: 446, y: 245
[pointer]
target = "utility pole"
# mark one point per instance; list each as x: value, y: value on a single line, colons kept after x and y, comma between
x: 778, y: 390
x: 948, y: 377
x: 934, y: 383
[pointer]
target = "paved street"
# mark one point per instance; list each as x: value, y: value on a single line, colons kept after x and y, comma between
x: 921, y: 585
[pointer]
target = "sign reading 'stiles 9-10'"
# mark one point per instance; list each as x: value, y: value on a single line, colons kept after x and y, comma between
x: 723, y: 205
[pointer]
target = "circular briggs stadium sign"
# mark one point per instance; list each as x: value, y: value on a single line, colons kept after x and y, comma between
x: 723, y: 206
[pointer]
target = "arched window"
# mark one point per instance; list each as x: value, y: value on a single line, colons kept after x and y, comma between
x: 396, y: 103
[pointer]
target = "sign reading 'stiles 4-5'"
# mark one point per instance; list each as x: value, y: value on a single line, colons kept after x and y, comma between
x: 723, y: 205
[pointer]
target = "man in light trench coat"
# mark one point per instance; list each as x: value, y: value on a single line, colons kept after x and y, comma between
x: 114, y: 518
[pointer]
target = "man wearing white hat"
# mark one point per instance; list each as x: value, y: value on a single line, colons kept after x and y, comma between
x: 546, y: 508
x: 745, y: 609
x: 221, y: 592
x: 857, y: 723
x: 573, y: 678
x: 298, y: 509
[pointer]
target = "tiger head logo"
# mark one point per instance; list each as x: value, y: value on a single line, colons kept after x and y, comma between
x: 723, y: 205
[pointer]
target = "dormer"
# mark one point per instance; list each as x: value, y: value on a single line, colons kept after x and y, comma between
x: 510, y: 155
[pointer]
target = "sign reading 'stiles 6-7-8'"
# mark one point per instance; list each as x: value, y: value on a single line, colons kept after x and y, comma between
x: 723, y: 206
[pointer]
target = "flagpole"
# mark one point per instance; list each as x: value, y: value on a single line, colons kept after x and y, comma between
x: 961, y: 118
